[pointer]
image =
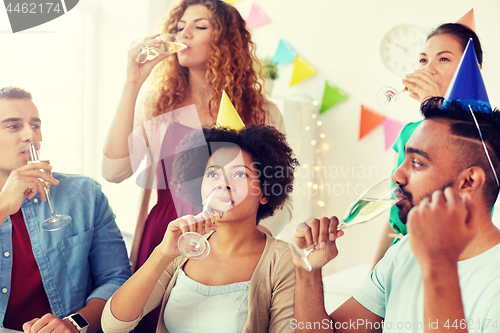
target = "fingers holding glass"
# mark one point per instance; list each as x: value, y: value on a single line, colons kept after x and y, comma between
x: 191, y: 243
x: 422, y: 85
x: 151, y: 47
x: 314, y: 235
x: 39, y: 156
x: 373, y: 202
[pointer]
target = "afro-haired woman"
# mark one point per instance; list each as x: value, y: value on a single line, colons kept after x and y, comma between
x: 246, y: 283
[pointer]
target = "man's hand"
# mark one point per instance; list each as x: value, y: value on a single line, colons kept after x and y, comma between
x: 322, y: 232
x: 49, y: 323
x: 24, y: 182
x: 441, y: 228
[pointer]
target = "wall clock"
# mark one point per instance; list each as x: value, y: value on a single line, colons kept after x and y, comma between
x: 400, y: 48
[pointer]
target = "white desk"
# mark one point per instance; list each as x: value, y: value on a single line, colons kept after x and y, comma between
x: 6, y: 330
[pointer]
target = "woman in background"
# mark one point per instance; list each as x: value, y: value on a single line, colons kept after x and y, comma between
x: 438, y: 62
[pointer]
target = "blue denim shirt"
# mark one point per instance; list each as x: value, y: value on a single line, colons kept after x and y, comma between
x: 84, y: 260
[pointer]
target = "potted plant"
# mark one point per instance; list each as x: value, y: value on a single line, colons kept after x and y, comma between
x: 269, y: 73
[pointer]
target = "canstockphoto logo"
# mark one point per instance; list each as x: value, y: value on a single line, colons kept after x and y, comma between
x: 26, y: 14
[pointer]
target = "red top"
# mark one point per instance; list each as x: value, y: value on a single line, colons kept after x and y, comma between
x: 27, y: 298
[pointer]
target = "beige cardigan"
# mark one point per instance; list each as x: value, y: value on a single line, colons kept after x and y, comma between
x: 117, y: 170
x: 270, y: 295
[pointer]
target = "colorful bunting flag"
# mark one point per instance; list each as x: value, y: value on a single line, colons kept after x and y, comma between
x: 391, y: 130
x: 369, y: 120
x: 301, y: 70
x: 284, y: 53
x: 331, y: 96
x: 256, y: 17
x: 231, y: 2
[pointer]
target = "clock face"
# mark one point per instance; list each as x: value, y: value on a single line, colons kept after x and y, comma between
x: 400, y: 48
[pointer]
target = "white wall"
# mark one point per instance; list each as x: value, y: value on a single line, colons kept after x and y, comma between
x: 77, y: 90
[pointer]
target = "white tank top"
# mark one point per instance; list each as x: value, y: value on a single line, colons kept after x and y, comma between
x: 193, y: 307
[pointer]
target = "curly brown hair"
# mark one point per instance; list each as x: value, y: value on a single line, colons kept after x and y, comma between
x: 230, y: 66
x: 271, y: 155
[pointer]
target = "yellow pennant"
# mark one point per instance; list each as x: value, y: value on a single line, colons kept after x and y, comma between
x: 228, y: 117
x: 301, y: 70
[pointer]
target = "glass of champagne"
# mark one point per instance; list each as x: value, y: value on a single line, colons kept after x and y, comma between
x: 373, y: 202
x: 192, y: 244
x: 389, y: 98
x: 55, y: 221
x: 169, y: 45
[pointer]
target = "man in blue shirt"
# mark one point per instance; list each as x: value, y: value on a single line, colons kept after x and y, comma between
x: 445, y: 275
x: 52, y: 280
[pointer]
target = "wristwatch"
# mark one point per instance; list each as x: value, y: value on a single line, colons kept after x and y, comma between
x: 78, y: 321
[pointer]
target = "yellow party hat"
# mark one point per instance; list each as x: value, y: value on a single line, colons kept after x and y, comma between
x: 228, y: 117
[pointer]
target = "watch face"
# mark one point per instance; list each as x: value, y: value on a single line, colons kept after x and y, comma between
x: 79, y: 320
x: 400, y: 48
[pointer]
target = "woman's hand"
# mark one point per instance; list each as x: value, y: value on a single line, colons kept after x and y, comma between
x: 136, y: 72
x: 201, y: 223
x: 422, y: 85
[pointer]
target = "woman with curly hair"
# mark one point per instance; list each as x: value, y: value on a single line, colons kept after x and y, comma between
x: 246, y: 283
x: 220, y: 56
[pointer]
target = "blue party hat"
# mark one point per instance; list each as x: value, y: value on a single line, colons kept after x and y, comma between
x: 468, y: 90
x: 467, y: 86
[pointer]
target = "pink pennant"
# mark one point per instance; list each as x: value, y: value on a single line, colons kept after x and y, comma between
x: 391, y: 130
x: 256, y: 17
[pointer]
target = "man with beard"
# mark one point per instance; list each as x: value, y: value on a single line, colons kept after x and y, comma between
x: 445, y: 275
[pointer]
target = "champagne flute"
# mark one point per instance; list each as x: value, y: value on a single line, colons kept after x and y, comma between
x: 373, y: 202
x: 192, y: 244
x: 388, y: 98
x: 55, y: 221
x: 169, y: 45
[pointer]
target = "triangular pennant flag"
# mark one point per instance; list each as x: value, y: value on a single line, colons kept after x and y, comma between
x: 301, y: 70
x: 467, y: 86
x: 231, y: 1
x: 256, y: 17
x: 331, y: 96
x: 468, y: 20
x: 284, y: 53
x: 228, y: 116
x: 369, y: 120
x: 391, y: 130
